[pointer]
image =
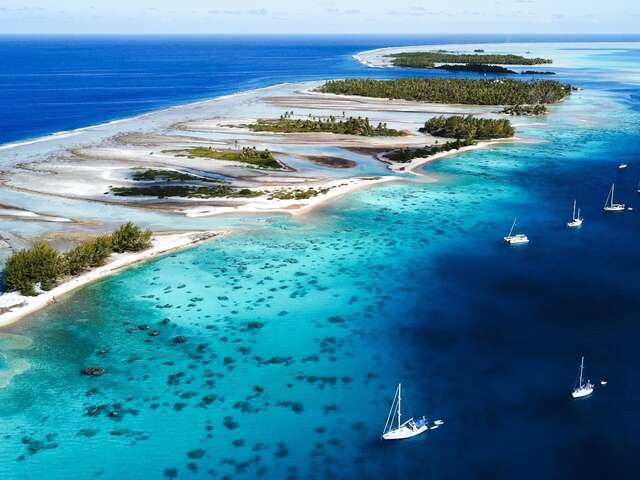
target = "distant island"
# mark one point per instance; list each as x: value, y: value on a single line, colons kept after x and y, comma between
x: 537, y: 72
x: 453, y: 90
x: 405, y: 155
x: 465, y: 129
x: 475, y: 67
x: 430, y: 59
x: 348, y: 126
x: 468, y: 127
x: 249, y: 155
x: 526, y: 110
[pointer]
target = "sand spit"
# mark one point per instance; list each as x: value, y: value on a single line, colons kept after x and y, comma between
x: 14, y: 306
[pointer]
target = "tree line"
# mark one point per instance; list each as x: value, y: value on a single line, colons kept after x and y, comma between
x: 525, y: 110
x: 348, y: 126
x: 251, y: 155
x: 404, y: 155
x: 43, y: 265
x: 453, y: 90
x: 468, y: 127
x: 429, y: 59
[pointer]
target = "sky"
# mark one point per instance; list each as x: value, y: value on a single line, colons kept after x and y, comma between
x: 319, y: 16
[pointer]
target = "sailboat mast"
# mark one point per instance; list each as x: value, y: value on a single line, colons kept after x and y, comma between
x: 399, y: 401
x: 574, y: 211
x: 581, y: 368
x: 513, y: 226
x: 613, y: 186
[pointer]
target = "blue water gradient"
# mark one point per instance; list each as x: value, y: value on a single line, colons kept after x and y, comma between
x: 50, y: 84
x: 296, y: 331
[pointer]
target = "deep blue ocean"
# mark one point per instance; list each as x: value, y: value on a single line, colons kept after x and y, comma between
x: 57, y: 83
x: 298, y: 329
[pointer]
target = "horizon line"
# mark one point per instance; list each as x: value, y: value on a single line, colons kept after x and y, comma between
x: 318, y: 34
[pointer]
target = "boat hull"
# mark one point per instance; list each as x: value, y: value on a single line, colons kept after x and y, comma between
x: 582, y: 392
x: 614, y: 208
x: 404, y: 432
x: 516, y: 240
x: 574, y: 223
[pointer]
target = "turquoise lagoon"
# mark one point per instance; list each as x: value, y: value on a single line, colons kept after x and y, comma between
x: 279, y: 346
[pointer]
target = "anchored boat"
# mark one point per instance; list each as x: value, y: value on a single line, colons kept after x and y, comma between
x: 609, y: 205
x: 514, y: 239
x: 576, y: 220
x: 583, y: 389
x: 408, y: 429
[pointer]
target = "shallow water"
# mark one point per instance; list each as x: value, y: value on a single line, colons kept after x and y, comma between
x: 297, y: 330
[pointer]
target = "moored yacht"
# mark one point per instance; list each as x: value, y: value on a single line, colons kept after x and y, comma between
x: 409, y: 428
x: 576, y: 219
x: 583, y: 388
x: 610, y: 205
x: 517, y: 238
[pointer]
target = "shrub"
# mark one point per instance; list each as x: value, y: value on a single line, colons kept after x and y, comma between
x: 40, y: 264
x: 130, y: 238
x: 89, y: 254
x: 43, y: 264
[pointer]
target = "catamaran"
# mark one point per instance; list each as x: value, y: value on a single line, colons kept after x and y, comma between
x: 583, y: 389
x: 609, y: 205
x: 512, y: 239
x: 408, y: 429
x: 576, y: 220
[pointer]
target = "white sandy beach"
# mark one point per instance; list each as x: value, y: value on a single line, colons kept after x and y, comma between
x: 14, y: 306
x: 416, y: 163
x: 294, y: 207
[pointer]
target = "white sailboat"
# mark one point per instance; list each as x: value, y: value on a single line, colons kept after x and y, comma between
x: 622, y: 166
x: 408, y: 429
x: 609, y: 205
x: 576, y: 220
x: 583, y: 389
x: 512, y: 239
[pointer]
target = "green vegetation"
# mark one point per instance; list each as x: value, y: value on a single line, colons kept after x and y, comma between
x: 297, y: 194
x: 349, y: 126
x: 151, y: 175
x: 43, y: 265
x: 468, y: 127
x: 192, y: 191
x: 40, y: 264
x: 250, y: 155
x: 453, y: 90
x: 429, y: 59
x: 89, y: 254
x: 537, y: 72
x: 405, y: 155
x: 475, y: 67
x: 525, y: 110
x: 165, y: 188
x: 130, y: 238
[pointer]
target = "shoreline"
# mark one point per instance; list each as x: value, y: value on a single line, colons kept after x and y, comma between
x: 374, y: 58
x: 293, y: 207
x: 50, y: 137
x: 15, y: 306
x: 415, y: 163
